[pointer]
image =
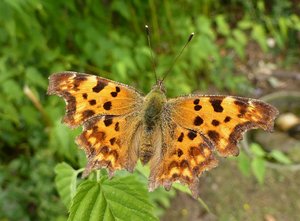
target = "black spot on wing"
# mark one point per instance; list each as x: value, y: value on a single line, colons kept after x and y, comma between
x: 107, y: 105
x: 114, y: 94
x: 216, y: 104
x: 198, y: 121
x: 184, y: 164
x: 108, y: 121
x: 100, y: 85
x: 197, y: 107
x: 104, y: 150
x: 243, y: 106
x: 213, y: 135
x: 192, y: 134
x: 87, y: 113
x: 227, y: 119
x: 196, y: 101
x: 175, y: 175
x: 215, y: 122
x: 92, y: 102
x: 117, y: 128
x: 78, y: 80
x: 84, y: 95
x: 179, y: 152
x: 112, y: 140
x: 180, y: 138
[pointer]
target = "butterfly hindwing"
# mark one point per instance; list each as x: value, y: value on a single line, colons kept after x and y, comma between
x: 88, y: 95
x: 111, y: 142
x: 187, y: 154
x: 222, y: 119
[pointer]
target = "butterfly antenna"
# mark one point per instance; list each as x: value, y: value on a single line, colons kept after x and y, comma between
x: 176, y: 58
x: 151, y: 51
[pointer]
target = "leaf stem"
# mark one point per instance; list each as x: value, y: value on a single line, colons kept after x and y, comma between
x: 98, y: 175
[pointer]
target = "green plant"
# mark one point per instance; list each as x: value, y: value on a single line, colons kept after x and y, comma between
x: 257, y: 164
x: 123, y: 197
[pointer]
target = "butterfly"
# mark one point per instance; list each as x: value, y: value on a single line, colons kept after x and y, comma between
x: 177, y: 137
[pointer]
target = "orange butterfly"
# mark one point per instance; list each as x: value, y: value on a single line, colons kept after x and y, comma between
x: 176, y: 137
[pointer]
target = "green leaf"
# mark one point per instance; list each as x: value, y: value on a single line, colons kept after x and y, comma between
x: 121, y: 198
x: 280, y: 157
x: 12, y: 90
x: 257, y: 150
x: 122, y: 8
x: 283, y: 27
x: 65, y: 181
x: 245, y: 24
x: 63, y: 141
x: 240, y: 36
x: 259, y: 35
x: 34, y: 77
x: 222, y: 25
x: 244, y: 164
x: 258, y: 165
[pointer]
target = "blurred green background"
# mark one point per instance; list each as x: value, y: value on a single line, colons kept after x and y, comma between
x: 237, y: 48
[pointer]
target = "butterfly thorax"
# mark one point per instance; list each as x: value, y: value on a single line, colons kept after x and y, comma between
x: 153, y: 106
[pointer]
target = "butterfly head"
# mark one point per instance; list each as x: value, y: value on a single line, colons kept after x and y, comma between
x: 159, y: 86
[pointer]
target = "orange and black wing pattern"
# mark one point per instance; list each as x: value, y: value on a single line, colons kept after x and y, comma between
x: 88, y: 95
x: 108, y: 112
x: 222, y: 119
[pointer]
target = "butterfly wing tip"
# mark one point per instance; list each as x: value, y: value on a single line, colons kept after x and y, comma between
x: 54, y: 82
x: 51, y: 87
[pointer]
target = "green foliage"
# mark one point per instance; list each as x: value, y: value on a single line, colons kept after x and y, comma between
x: 114, y: 196
x: 244, y: 164
x: 257, y: 164
x: 280, y: 157
x: 122, y: 198
x: 66, y: 182
x: 106, y: 37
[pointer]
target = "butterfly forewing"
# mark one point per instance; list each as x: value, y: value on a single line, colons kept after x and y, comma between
x: 222, y: 119
x: 87, y: 96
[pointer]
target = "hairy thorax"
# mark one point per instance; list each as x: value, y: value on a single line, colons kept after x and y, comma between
x: 153, y: 106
